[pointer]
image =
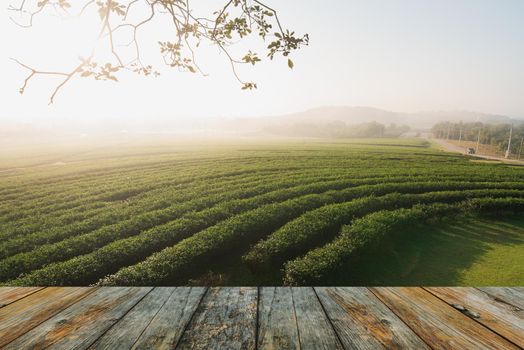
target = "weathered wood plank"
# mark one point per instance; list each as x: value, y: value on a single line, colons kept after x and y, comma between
x: 9, y: 295
x: 510, y: 295
x: 25, y: 314
x: 128, y: 329
x: 437, y: 323
x: 277, y: 324
x: 363, y: 322
x: 75, y: 318
x: 225, y: 319
x: 504, y: 319
x: 167, y: 326
x: 314, y: 328
x: 83, y: 323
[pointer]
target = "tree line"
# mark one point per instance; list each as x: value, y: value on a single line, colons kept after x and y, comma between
x: 338, y: 129
x: 491, y: 134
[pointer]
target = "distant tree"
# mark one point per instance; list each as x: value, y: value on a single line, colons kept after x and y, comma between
x: 371, y: 129
x: 394, y: 130
x: 336, y: 129
x: 234, y: 21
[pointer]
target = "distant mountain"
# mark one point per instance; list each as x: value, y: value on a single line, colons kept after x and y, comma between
x: 348, y: 115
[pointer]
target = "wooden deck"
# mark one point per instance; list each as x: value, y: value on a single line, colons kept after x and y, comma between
x: 265, y: 317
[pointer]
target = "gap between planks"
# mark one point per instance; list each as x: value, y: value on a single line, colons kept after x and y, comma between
x: 372, y: 297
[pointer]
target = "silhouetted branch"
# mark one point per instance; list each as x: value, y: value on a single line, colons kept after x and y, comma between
x: 236, y: 20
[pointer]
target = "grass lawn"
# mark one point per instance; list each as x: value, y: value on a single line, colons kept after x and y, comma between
x: 464, y: 252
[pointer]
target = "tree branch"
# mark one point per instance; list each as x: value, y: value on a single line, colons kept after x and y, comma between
x: 235, y: 20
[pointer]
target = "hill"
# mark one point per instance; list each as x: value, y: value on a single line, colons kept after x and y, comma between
x: 318, y: 118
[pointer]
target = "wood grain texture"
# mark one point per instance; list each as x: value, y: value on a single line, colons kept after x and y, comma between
x: 129, y: 328
x: 78, y: 326
x: 510, y: 295
x: 363, y: 322
x: 314, y: 328
x: 287, y: 318
x: 437, y: 323
x: 225, y: 319
x: 9, y: 295
x: 23, y: 315
x: 277, y: 324
x: 506, y: 320
x: 169, y: 323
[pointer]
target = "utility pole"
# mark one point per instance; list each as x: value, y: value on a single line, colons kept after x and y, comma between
x: 478, y: 142
x: 449, y: 129
x: 520, y: 148
x: 460, y: 135
x: 509, y: 142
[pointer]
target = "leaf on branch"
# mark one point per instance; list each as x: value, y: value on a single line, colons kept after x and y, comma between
x: 64, y: 4
x: 249, y: 86
x: 251, y: 57
x: 105, y: 7
x: 42, y: 3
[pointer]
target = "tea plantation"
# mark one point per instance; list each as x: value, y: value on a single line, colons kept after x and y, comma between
x: 286, y: 212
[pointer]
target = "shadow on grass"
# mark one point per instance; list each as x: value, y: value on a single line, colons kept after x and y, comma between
x: 434, y: 255
x: 429, y: 255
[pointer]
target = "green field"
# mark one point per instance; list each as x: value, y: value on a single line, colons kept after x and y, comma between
x: 469, y: 252
x: 296, y: 212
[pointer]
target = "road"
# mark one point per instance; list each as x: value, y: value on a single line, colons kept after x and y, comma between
x: 453, y: 148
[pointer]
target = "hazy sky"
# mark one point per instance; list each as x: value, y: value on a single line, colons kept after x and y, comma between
x: 403, y: 55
